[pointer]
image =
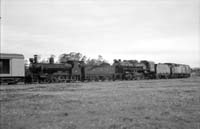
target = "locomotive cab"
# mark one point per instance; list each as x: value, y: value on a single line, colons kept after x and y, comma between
x: 76, y: 70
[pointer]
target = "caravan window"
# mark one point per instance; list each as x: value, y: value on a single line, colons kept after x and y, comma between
x: 4, y: 66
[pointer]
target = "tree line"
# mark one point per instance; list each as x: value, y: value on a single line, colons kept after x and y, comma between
x: 76, y: 56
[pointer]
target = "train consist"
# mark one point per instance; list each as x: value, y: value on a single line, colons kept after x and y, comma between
x: 12, y: 70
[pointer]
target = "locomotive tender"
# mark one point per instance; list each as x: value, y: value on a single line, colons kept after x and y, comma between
x: 12, y: 70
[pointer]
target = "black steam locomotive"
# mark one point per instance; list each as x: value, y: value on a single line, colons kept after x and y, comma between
x: 53, y: 72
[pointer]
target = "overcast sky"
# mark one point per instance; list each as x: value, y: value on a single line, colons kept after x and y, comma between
x: 157, y: 30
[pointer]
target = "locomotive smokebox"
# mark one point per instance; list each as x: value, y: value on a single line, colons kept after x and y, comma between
x: 51, y: 60
x: 35, y: 58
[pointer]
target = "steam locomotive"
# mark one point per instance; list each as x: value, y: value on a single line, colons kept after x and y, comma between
x: 72, y: 70
x: 53, y: 72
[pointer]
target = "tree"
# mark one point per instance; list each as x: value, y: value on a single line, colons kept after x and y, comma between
x: 98, y: 61
x: 91, y: 62
x: 44, y: 60
x: 63, y: 58
x: 84, y: 58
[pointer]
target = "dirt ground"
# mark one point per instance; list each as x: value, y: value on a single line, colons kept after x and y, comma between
x: 145, y: 104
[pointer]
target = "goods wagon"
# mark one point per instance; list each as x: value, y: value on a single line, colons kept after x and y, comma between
x: 179, y: 70
x: 11, y: 68
x: 162, y: 71
x: 188, y: 71
x: 101, y: 72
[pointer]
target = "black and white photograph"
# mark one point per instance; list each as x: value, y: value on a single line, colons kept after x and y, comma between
x: 100, y: 64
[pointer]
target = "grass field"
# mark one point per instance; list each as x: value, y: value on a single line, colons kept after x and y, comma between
x: 145, y: 104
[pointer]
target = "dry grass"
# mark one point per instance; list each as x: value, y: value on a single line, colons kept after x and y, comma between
x: 146, y: 104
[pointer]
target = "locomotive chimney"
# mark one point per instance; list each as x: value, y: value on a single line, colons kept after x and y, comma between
x: 31, y: 60
x: 35, y: 58
x: 51, y: 60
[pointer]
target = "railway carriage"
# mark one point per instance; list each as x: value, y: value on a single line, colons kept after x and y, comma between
x: 11, y: 68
